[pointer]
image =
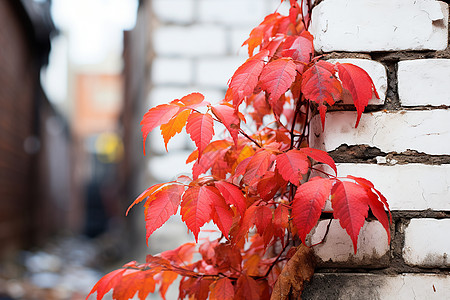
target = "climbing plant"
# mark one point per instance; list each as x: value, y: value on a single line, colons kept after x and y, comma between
x: 262, y: 185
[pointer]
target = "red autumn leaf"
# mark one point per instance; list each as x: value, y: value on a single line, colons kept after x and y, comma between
x: 257, y: 166
x: 292, y: 165
x: 106, y: 283
x: 320, y: 156
x: 196, y: 207
x: 246, y: 288
x: 247, y: 222
x: 157, y: 116
x: 262, y: 32
x: 174, y: 126
x: 229, y: 117
x: 308, y: 203
x: 134, y: 281
x: 360, y: 85
x: 162, y: 206
x: 294, y: 11
x: 222, y: 289
x: 180, y: 255
x: 263, y: 218
x: 275, y: 43
x: 269, y: 185
x: 222, y: 215
x: 321, y: 86
x: 168, y: 277
x: 232, y: 195
x: 192, y: 100
x: 245, y: 79
x: 144, y: 195
x: 299, y: 47
x: 377, y: 203
x: 350, y: 204
x: 276, y: 78
x: 201, y: 129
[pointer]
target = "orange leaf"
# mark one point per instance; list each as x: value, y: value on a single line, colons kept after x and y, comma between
x: 200, y: 128
x: 174, y: 126
x: 106, y: 283
x: 145, y: 194
x: 247, y: 288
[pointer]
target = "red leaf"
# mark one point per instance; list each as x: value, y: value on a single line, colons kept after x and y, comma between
x: 222, y: 215
x: 261, y: 32
x: 320, y: 156
x: 247, y: 288
x: 145, y: 194
x: 232, y: 194
x: 174, y: 126
x: 162, y: 206
x: 196, y: 207
x: 135, y: 281
x: 192, y: 100
x: 269, y: 185
x: 106, y: 283
x: 308, y: 203
x: 350, y: 205
x: 245, y: 79
x: 229, y: 117
x: 299, y: 47
x: 168, y: 277
x: 360, y: 85
x: 222, y: 289
x: 156, y: 116
x: 276, y: 78
x: 180, y: 255
x: 201, y: 129
x: 257, y: 166
x: 263, y: 218
x: 292, y: 165
x: 321, y: 86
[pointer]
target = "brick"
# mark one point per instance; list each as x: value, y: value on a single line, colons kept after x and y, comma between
x: 424, y: 131
x: 376, y: 71
x: 232, y: 12
x: 238, y: 37
x: 168, y: 167
x: 171, y: 71
x: 384, y: 25
x: 373, y: 248
x: 174, y: 11
x: 216, y: 72
x: 370, y: 286
x: 406, y: 187
x: 427, y: 243
x: 189, y: 41
x: 424, y: 82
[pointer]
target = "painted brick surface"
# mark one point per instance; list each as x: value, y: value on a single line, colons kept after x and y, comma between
x: 172, y: 71
x: 174, y: 11
x: 383, y: 25
x: 427, y: 243
x: 424, y: 82
x: 373, y: 248
x: 376, y: 71
x: 425, y: 131
x: 378, y: 287
x: 216, y: 72
x: 233, y: 13
x: 409, y: 186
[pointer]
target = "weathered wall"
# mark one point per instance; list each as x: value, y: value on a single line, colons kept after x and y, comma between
x: 402, y: 143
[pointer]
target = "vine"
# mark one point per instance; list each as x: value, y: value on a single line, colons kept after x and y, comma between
x: 265, y: 189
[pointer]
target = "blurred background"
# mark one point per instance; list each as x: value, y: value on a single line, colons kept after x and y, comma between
x: 76, y: 77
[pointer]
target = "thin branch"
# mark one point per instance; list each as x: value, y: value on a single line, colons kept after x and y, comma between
x: 325, y: 236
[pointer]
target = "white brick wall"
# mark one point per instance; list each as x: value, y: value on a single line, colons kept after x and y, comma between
x: 427, y: 242
x: 426, y: 131
x: 373, y: 245
x: 381, y: 25
x: 424, y: 82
